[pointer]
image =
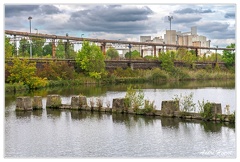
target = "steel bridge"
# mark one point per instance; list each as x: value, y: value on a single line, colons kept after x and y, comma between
x: 103, y: 42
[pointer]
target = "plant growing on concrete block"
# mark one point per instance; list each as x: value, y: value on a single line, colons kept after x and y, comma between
x: 99, y: 102
x: 134, y: 99
x: 185, y: 102
x: 149, y: 106
x: 206, y: 112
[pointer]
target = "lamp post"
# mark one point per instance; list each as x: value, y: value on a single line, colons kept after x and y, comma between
x: 170, y: 19
x: 30, y: 18
x: 82, y: 35
x: 36, y: 30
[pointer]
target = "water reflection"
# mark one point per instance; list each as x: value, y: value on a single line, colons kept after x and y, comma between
x: 23, y: 114
x: 53, y: 112
x: 38, y: 113
x: 170, y: 122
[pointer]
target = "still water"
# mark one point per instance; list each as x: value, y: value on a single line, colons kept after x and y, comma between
x: 54, y: 133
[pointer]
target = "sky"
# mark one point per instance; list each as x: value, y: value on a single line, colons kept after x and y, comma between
x: 124, y: 21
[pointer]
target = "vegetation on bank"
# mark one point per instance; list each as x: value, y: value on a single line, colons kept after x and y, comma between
x: 91, y: 68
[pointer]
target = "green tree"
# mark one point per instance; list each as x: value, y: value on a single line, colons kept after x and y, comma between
x: 112, y: 53
x: 47, y: 49
x: 37, y: 46
x: 133, y: 55
x: 167, y: 62
x: 90, y: 58
x: 189, y: 58
x: 229, y: 56
x: 60, y: 49
x: 24, y: 72
x: 23, y: 49
x: 8, y: 47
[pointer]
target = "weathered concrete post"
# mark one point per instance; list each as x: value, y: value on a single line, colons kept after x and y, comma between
x: 216, y: 109
x: 53, y: 101
x: 24, y: 103
x: 75, y: 102
x: 37, y: 102
x: 169, y: 107
x: 118, y: 105
x: 83, y: 102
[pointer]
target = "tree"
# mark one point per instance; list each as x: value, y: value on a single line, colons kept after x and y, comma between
x: 91, y: 60
x: 133, y: 55
x: 24, y: 72
x: 47, y: 49
x: 229, y: 56
x: 8, y: 47
x: 37, y: 46
x: 167, y: 62
x: 112, y: 53
x: 24, y: 48
x: 60, y: 49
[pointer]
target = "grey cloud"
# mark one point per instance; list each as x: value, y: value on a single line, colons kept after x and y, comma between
x: 119, y: 19
x: 16, y: 10
x: 49, y: 9
x: 185, y: 19
x: 217, y: 30
x: 192, y: 11
x: 230, y: 15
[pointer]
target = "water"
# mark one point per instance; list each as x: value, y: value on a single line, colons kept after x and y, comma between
x: 65, y: 133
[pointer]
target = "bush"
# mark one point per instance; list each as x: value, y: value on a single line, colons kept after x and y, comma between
x: 134, y: 99
x: 206, y: 112
x: 185, y: 102
x: 24, y: 72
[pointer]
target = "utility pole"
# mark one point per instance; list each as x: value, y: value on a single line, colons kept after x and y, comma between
x: 30, y: 18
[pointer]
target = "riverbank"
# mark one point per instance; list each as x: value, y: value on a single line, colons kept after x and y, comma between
x: 125, y: 76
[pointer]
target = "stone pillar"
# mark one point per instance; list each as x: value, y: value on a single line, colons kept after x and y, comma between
x: 216, y: 108
x: 75, y: 102
x: 53, y: 101
x: 169, y: 107
x: 118, y: 105
x: 24, y: 103
x: 37, y: 102
x: 82, y: 101
x: 154, y: 51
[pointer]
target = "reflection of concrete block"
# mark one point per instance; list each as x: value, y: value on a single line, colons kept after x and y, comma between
x: 24, y: 103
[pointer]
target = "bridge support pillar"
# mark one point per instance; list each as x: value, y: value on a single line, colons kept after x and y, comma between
x: 53, y: 49
x: 154, y: 50
x: 103, y: 48
x: 159, y: 51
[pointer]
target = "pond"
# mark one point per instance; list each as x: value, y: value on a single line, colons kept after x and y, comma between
x: 82, y: 134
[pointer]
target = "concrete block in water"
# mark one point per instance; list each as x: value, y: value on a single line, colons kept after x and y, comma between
x: 24, y: 103
x: 118, y: 103
x: 75, y: 102
x: 37, y: 103
x: 169, y: 107
x: 53, y: 101
x: 216, y: 108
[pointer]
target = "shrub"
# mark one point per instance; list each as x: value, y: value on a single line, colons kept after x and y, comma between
x: 206, y: 112
x: 134, y: 99
x: 185, y: 102
x: 24, y: 72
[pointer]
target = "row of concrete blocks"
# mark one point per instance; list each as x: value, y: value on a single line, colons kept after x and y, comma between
x: 168, y: 108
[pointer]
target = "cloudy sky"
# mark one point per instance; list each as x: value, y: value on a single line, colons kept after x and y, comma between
x: 124, y: 21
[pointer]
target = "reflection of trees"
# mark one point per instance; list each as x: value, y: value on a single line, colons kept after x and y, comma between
x: 211, y: 126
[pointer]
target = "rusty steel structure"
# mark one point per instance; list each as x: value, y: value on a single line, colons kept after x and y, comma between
x: 103, y: 42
